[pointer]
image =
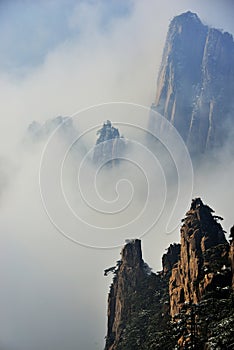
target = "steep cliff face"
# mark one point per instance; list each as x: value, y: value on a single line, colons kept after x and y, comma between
x: 137, y: 298
x: 128, y: 276
x: 196, y: 82
x: 204, y: 258
x: 189, y: 304
x: 170, y: 258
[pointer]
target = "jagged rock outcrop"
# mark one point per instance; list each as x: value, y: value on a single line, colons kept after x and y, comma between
x: 204, y: 258
x: 196, y: 82
x: 136, y: 299
x: 128, y: 276
x: 189, y: 304
x: 109, y: 145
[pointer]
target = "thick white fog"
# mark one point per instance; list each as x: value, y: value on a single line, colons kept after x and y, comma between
x: 59, y: 58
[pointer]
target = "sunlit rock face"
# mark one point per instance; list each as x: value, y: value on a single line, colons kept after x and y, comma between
x: 109, y: 145
x: 187, y: 305
x: 196, y: 82
x: 204, y: 252
x: 129, y: 274
x: 137, y: 297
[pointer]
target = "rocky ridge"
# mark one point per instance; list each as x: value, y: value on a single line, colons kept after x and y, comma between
x: 191, y: 299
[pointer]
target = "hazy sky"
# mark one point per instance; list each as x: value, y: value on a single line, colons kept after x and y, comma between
x: 57, y: 57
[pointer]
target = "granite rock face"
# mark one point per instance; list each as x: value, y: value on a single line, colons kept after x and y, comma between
x: 204, y: 258
x: 187, y: 305
x: 129, y: 274
x: 170, y: 258
x: 196, y: 82
x: 137, y: 298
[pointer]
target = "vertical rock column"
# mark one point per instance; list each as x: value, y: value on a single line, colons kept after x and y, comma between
x: 204, y: 251
x: 128, y: 275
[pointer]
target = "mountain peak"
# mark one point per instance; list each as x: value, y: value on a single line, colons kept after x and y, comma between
x: 195, y: 82
x: 109, y: 145
x: 186, y: 18
x: 203, y: 251
x: 203, y: 226
x: 131, y: 253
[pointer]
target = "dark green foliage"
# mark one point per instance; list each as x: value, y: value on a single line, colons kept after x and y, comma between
x: 211, y: 325
x: 149, y: 321
x: 208, y: 325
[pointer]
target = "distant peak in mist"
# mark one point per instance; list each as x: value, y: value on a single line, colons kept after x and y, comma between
x: 187, y: 16
x: 195, y: 83
x: 109, y: 145
x: 38, y: 131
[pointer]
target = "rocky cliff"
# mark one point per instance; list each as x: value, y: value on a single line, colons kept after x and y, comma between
x: 196, y: 82
x: 137, y: 296
x: 203, y: 264
x: 128, y: 276
x: 189, y: 304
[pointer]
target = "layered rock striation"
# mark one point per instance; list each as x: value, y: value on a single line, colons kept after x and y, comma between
x: 196, y: 82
